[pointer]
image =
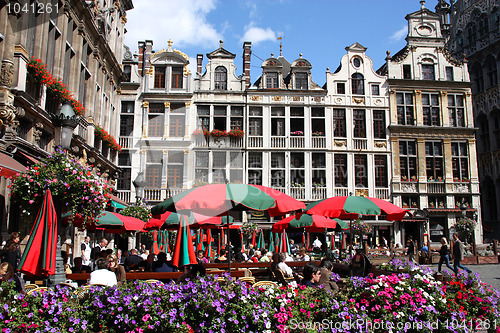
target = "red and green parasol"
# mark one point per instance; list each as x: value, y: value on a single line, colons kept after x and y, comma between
x: 111, y: 222
x: 184, y: 249
x: 155, y: 248
x: 39, y: 257
x: 312, y: 223
x: 350, y: 207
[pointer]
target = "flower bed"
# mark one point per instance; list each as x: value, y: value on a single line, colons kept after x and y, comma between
x: 206, y: 305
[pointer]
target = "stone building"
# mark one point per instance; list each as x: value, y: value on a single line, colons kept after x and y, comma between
x: 432, y: 132
x: 80, y: 43
x: 473, y: 28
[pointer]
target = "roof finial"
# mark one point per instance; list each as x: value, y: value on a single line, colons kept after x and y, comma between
x: 300, y: 55
x: 272, y: 55
x: 422, y: 3
x: 221, y: 44
x: 280, y: 38
x: 170, y: 44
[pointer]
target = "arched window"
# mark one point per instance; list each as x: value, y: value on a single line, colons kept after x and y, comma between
x: 483, y: 25
x: 491, y: 72
x: 471, y: 33
x: 484, y: 134
x: 221, y: 78
x: 477, y: 72
x: 358, y: 84
x: 489, y: 198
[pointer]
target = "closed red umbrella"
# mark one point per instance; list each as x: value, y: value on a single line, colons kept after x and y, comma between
x: 155, y: 249
x: 208, y: 250
x: 39, y: 257
x: 184, y: 249
x: 253, y: 239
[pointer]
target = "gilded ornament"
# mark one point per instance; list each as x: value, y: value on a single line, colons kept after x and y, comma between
x: 340, y: 143
x: 362, y: 192
x: 380, y: 144
x: 188, y: 104
x: 145, y: 104
x: 358, y: 100
x: 167, y: 105
x: 418, y: 92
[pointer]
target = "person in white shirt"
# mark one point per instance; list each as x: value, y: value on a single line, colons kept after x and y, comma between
x: 303, y: 256
x: 287, y: 271
x: 86, y: 251
x: 317, y: 244
x: 102, y: 275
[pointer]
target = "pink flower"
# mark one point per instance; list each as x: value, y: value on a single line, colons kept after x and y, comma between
x: 146, y: 317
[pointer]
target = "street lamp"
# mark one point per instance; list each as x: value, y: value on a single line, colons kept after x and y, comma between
x: 65, y: 122
x: 139, y: 184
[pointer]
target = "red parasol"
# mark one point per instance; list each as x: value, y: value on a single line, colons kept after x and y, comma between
x: 184, y: 249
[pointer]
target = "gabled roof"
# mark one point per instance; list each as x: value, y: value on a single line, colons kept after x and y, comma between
x: 221, y: 53
x: 356, y: 47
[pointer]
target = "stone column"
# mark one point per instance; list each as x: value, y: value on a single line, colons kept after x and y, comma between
x: 145, y: 111
x: 419, y: 112
x: 166, y: 120
x: 444, y: 109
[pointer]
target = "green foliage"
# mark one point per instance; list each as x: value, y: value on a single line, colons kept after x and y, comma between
x: 140, y: 211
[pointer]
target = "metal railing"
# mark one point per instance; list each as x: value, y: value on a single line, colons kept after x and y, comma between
x: 318, y: 142
x: 126, y: 142
x: 435, y: 187
x: 360, y: 143
x: 318, y: 193
x: 255, y: 142
x: 278, y: 142
x: 382, y: 193
x: 297, y: 142
x: 298, y: 193
x: 341, y: 191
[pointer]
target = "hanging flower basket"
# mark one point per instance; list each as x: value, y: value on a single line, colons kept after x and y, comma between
x: 103, y: 135
x: 360, y: 228
x: 77, y: 186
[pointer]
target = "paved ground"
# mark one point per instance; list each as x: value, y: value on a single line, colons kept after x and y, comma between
x: 489, y: 273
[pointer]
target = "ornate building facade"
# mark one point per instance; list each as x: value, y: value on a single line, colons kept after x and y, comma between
x: 432, y: 132
x: 79, y: 43
x: 474, y: 32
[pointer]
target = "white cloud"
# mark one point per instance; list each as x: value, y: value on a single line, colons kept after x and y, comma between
x: 399, y: 35
x: 257, y: 35
x: 185, y: 22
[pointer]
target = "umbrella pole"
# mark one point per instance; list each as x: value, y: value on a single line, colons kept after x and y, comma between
x: 228, y: 251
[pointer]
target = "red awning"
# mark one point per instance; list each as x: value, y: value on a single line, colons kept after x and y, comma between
x: 10, y: 167
x: 29, y: 158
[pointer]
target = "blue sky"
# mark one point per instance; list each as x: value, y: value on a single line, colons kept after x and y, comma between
x: 319, y: 29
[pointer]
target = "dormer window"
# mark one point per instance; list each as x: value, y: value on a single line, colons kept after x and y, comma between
x: 358, y: 84
x: 427, y: 71
x: 176, y: 77
x: 272, y: 80
x: 220, y: 78
x: 301, y: 81
x: 159, y: 76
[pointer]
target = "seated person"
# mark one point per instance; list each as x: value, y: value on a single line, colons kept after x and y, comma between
x: 162, y: 265
x: 312, y: 274
x: 79, y: 267
x: 7, y: 273
x: 192, y: 272
x: 116, y: 268
x: 133, y: 260
x: 222, y: 259
x: 147, y: 265
x: 303, y: 256
x: 282, y: 266
x: 103, y: 275
x: 326, y: 268
x: 293, y: 248
x: 267, y: 257
x: 359, y: 264
x: 201, y: 257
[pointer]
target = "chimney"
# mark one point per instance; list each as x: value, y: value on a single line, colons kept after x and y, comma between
x: 141, y: 57
x: 247, y: 52
x: 148, y: 53
x: 199, y: 62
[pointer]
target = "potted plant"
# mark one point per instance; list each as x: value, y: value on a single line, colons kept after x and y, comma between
x: 297, y: 133
x: 236, y: 133
x: 218, y: 133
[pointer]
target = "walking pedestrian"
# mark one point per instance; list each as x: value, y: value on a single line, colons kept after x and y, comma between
x: 86, y: 251
x: 411, y: 249
x: 458, y: 254
x: 444, y: 253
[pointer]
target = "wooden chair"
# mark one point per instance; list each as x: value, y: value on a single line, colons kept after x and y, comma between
x: 66, y: 285
x: 153, y: 281
x: 280, y: 277
x: 30, y: 286
x: 39, y: 291
x: 247, y: 279
x: 265, y: 284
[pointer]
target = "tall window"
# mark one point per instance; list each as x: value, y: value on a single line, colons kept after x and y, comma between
x: 236, y: 167
x: 221, y: 78
x: 297, y: 121
x: 69, y: 52
x: 156, y: 119
x: 255, y: 168
x: 339, y: 123
x: 456, y: 110
x: 201, y: 167
x: 434, y: 160
x: 483, y: 25
x: 124, y: 180
x: 277, y: 170
x: 341, y: 88
x: 359, y: 123
x: 358, y: 84
x: 127, y: 72
x: 277, y: 121
x: 478, y: 77
x: 471, y: 33
x: 318, y: 169
x: 491, y: 72
x: 219, y: 167
x: 427, y: 71
x: 177, y: 77
x: 159, y: 77
x: 318, y: 121
x: 375, y: 89
x: 404, y: 103
x: 484, y: 133
x: 220, y: 117
x: 340, y: 162
x: 301, y: 81
x: 380, y: 162
x: 449, y: 73
x: 360, y: 171
x: 460, y: 160
x: 203, y: 117
x: 177, y: 119
x: 407, y: 72
x: 430, y: 104
x: 175, y: 169
x: 272, y: 80
x: 379, y: 124
x: 408, y: 160
x: 154, y: 159
x: 236, y: 117
x: 297, y: 170
x: 255, y: 121
x: 127, y: 118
